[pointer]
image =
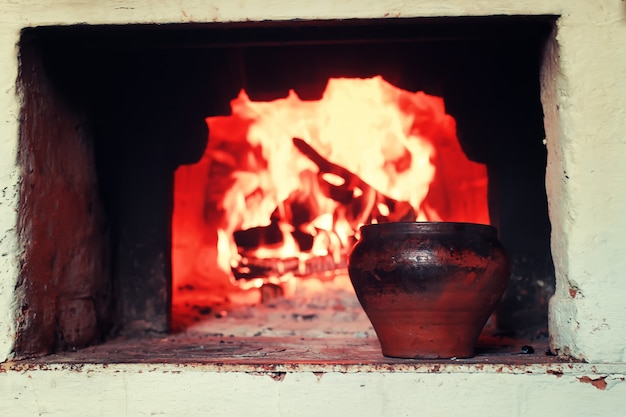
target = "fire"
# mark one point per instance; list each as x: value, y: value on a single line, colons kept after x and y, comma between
x: 284, y: 185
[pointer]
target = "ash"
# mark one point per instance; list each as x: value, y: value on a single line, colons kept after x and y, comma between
x: 306, y: 309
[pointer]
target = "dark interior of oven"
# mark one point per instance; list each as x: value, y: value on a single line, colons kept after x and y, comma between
x: 109, y: 112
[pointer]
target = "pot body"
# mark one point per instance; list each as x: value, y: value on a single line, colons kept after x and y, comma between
x: 428, y: 288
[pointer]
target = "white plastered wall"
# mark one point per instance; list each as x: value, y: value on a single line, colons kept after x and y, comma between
x: 584, y: 96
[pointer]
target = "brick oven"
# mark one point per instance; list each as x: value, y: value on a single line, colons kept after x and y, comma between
x: 101, y: 108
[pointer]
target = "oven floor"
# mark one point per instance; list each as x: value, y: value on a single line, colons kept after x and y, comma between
x: 309, y: 330
x: 294, y: 352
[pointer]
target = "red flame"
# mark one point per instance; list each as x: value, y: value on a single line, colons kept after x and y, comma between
x: 275, y: 172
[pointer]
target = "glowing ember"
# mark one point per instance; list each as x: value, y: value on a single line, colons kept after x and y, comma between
x: 284, y: 185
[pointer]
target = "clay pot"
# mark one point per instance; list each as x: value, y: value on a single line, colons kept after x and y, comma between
x: 428, y: 288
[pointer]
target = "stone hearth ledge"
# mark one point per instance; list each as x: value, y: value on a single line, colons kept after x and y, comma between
x: 205, y: 383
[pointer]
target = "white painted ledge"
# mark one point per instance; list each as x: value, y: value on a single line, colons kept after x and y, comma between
x: 271, y: 376
x: 193, y: 389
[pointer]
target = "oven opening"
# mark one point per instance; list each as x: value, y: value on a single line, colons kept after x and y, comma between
x: 267, y: 217
x: 211, y: 179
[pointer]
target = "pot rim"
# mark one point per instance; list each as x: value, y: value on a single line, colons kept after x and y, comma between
x: 429, y: 227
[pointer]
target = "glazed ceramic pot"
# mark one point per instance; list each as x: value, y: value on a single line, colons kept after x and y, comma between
x: 428, y: 288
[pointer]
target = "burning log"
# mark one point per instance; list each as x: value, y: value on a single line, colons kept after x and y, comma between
x: 377, y: 205
x: 321, y: 267
x: 359, y: 202
x: 351, y: 181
